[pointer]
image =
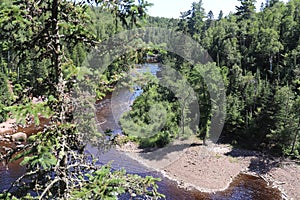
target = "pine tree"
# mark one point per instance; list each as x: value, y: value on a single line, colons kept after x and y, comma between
x: 287, y: 121
x: 58, y: 167
x: 247, y: 9
x: 210, y: 19
x: 220, y: 15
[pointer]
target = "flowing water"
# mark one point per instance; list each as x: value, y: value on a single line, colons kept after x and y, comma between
x: 243, y: 187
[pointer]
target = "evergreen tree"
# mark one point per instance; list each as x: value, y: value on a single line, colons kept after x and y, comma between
x: 210, y: 19
x: 287, y: 121
x: 58, y: 167
x: 192, y: 21
x: 247, y: 9
x: 220, y: 15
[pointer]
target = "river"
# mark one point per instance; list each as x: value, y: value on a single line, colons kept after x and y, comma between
x: 243, y: 187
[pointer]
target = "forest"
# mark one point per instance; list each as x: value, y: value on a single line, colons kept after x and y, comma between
x: 43, y: 49
x: 256, y: 52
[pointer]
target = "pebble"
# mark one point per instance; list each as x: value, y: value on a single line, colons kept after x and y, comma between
x: 181, y: 183
x: 6, y: 149
x: 20, y: 146
x: 133, y: 194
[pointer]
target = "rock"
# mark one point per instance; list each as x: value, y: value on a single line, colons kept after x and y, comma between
x: 6, y: 149
x: 7, y: 136
x: 20, y: 136
x: 133, y: 195
x: 181, y: 183
x: 18, y: 143
x: 20, y: 146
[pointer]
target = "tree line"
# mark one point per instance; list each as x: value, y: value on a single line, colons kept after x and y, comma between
x: 257, y: 54
x: 44, y: 43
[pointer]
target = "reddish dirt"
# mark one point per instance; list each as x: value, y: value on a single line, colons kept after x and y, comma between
x: 10, y: 127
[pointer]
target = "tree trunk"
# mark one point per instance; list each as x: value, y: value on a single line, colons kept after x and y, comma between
x: 296, y: 137
x: 56, y: 59
x: 271, y: 63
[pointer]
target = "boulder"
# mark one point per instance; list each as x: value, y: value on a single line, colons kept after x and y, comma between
x: 20, y: 136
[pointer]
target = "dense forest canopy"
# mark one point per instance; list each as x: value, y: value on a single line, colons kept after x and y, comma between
x: 257, y: 54
x: 44, y: 43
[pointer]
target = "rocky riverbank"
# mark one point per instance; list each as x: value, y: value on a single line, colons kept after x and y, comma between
x: 194, y: 166
x: 14, y: 135
x: 212, y: 168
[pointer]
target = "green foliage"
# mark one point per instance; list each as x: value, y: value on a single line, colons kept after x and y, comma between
x: 21, y: 112
x: 192, y: 21
x: 44, y: 43
x: 285, y: 135
x: 154, y: 116
x: 48, y: 41
x: 6, y: 97
x: 8, y: 196
x: 259, y: 55
x: 247, y: 9
x: 44, y: 158
x: 158, y: 140
x: 105, y: 184
x: 162, y: 22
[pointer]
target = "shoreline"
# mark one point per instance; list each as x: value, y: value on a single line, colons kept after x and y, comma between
x: 11, y: 127
x: 217, y: 166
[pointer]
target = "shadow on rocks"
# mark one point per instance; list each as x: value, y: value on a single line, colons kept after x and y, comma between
x: 259, y: 163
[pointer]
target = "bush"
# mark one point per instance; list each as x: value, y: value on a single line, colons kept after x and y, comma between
x: 3, y: 113
x: 159, y: 140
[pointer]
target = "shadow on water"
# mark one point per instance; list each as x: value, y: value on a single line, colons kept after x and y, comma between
x: 245, y: 187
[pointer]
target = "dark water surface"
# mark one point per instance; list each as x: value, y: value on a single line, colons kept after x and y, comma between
x: 244, y: 187
x: 10, y: 174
